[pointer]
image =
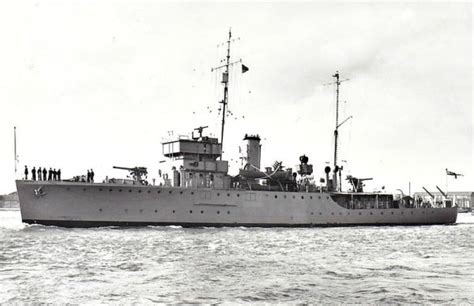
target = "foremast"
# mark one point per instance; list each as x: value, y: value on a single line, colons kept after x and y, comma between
x: 337, y: 169
x: 225, y: 80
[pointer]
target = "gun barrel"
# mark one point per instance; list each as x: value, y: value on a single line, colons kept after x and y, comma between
x: 123, y: 168
x: 431, y: 195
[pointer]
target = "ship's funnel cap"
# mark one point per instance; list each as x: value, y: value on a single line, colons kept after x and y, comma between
x: 251, y: 137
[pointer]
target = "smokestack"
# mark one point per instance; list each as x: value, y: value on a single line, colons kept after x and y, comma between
x: 253, y: 151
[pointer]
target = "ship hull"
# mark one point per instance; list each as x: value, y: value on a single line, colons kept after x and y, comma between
x: 70, y: 204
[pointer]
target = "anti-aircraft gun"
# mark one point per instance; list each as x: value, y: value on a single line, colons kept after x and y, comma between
x: 138, y: 174
x: 357, y: 183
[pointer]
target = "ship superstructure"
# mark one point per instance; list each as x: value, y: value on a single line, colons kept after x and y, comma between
x: 199, y: 191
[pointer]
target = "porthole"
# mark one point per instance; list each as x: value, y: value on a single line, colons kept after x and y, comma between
x: 218, y: 212
x: 238, y: 195
x: 381, y: 213
x: 327, y: 198
x: 130, y: 190
x: 228, y: 194
x: 170, y: 192
x: 423, y: 212
x: 190, y: 211
x: 218, y: 194
x: 348, y: 213
x: 360, y: 213
x: 141, y: 210
x: 149, y: 191
x: 320, y: 214
x: 312, y: 213
x: 180, y: 192
x: 371, y: 213
x: 412, y: 213
x: 294, y: 197
x: 120, y: 190
x: 202, y: 211
x: 110, y: 190
x: 392, y: 212
x: 302, y: 197
x: 159, y: 191
x: 68, y: 188
x: 332, y: 214
x: 310, y: 197
x: 192, y: 192
x: 340, y: 214
x: 100, y: 189
x: 174, y: 211
x: 126, y: 210
x: 402, y: 212
x: 284, y: 196
x: 156, y: 210
x: 276, y: 197
x: 319, y: 197
x: 228, y: 212
x: 266, y: 195
x: 100, y: 209
x: 84, y: 189
x: 139, y: 191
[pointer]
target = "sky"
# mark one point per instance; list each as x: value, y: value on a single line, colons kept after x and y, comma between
x: 96, y: 84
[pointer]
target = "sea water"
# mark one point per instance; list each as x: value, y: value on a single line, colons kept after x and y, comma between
x: 397, y: 264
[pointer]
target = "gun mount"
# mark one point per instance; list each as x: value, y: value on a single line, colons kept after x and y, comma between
x: 357, y: 182
x: 139, y: 174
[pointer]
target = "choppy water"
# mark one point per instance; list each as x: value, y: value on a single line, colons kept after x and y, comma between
x: 422, y: 264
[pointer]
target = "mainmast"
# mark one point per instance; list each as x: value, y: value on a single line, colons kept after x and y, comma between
x: 225, y: 80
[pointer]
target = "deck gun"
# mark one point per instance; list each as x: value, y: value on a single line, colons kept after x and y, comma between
x: 357, y: 182
x: 139, y: 174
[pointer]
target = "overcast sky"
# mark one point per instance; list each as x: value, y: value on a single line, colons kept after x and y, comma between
x: 93, y: 84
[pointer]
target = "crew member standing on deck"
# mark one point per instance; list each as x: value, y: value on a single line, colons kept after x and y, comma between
x: 59, y: 174
x: 88, y: 176
x: 92, y: 176
x: 44, y: 173
x: 26, y: 172
x: 50, y: 174
x: 33, y: 174
x: 39, y: 174
x: 55, y: 174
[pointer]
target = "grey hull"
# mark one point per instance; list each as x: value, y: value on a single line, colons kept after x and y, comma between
x: 89, y: 205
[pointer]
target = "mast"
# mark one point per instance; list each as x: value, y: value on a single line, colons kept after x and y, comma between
x: 336, y: 186
x: 336, y: 168
x: 225, y: 80
x: 14, y: 149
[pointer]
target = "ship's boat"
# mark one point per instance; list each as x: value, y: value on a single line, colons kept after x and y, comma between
x: 200, y: 192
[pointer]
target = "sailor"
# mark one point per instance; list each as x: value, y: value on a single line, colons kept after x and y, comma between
x: 39, y: 174
x: 55, y: 174
x: 33, y: 174
x: 92, y: 176
x: 26, y: 172
x: 88, y: 176
x: 44, y: 173
x: 50, y: 174
x: 59, y: 174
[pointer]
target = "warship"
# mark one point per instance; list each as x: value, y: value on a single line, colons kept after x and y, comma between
x: 198, y: 191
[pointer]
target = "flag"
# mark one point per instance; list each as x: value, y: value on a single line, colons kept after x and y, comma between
x: 452, y: 173
x: 244, y: 68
